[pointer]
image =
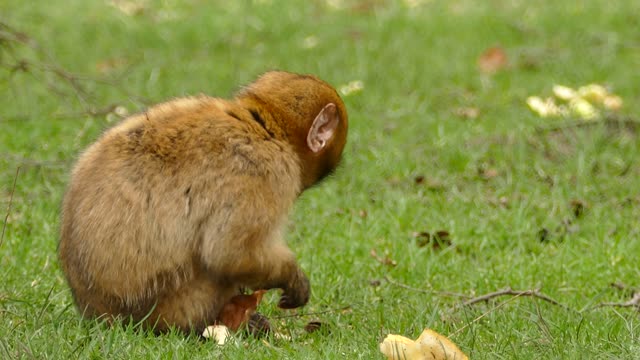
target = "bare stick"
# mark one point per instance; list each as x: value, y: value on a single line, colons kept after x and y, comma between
x: 634, y: 302
x: 483, y: 315
x: 535, y: 293
x: 55, y: 77
x: 609, y: 121
x: 346, y: 307
x: 6, y: 218
x: 504, y: 292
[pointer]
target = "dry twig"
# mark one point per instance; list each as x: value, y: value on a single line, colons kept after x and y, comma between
x: 535, y: 293
x: 634, y: 302
x: 6, y: 218
x: 298, y: 315
x: 40, y: 65
x: 612, y: 122
x: 504, y: 292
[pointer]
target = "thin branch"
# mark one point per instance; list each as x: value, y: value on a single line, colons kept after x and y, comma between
x: 346, y: 307
x: 535, y: 293
x: 505, y: 292
x: 483, y: 315
x: 609, y: 121
x: 634, y: 302
x: 619, y: 286
x: 6, y: 218
x: 92, y: 112
x: 88, y: 111
x: 28, y: 162
x: 39, y: 64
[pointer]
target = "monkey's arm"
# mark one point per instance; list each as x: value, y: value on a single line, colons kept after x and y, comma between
x: 260, y: 261
x: 242, y: 241
x: 277, y: 268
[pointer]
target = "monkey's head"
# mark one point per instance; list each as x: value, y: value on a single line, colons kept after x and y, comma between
x: 306, y: 112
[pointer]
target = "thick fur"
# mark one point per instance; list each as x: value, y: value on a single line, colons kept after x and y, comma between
x: 173, y: 210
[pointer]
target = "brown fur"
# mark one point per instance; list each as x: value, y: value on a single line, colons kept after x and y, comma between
x: 173, y: 210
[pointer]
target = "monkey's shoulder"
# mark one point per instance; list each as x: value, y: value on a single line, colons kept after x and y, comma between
x: 192, y: 137
x: 182, y: 128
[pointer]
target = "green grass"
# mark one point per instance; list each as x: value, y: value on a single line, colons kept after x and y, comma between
x: 418, y: 65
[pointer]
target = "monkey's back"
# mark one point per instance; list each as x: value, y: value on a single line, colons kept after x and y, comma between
x: 160, y: 188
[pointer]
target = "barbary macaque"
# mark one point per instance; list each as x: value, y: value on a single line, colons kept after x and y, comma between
x: 172, y: 211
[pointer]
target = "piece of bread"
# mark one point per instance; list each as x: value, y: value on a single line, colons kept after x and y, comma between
x: 429, y: 346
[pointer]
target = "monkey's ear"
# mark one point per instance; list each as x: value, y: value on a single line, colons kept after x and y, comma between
x: 323, y: 128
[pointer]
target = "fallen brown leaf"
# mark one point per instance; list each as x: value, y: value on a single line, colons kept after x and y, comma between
x: 109, y: 65
x: 386, y: 260
x: 440, y: 239
x: 239, y: 309
x: 489, y: 173
x: 394, y: 181
x: 467, y: 112
x: 315, y: 325
x: 429, y: 183
x: 493, y: 60
x: 543, y: 235
x: 578, y: 207
x: 502, y: 201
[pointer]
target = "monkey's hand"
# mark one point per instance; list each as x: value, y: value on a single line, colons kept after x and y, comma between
x: 296, y: 293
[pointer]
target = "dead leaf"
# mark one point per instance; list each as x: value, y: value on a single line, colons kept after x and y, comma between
x: 543, y: 235
x: 492, y: 60
x: 502, y: 201
x: 578, y: 207
x: 239, y: 309
x: 567, y: 227
x: 130, y: 7
x: 394, y: 181
x: 439, y: 240
x: 109, y: 65
x: 467, y: 112
x: 486, y: 172
x: 314, y: 326
x: 386, y: 260
x: 355, y: 35
x: 429, y: 183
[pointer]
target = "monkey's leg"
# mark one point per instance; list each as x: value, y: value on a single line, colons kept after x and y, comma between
x: 258, y: 259
x: 191, y: 307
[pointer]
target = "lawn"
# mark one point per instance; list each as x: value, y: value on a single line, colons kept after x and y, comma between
x: 546, y: 206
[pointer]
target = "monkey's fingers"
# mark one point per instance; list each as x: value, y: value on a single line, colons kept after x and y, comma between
x: 292, y: 301
x: 287, y: 303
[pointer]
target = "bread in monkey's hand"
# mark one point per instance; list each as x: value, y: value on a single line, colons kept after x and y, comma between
x: 172, y: 211
x: 429, y: 346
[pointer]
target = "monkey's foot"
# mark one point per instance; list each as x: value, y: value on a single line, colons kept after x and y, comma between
x: 258, y: 325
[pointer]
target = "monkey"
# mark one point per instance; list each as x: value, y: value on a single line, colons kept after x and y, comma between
x: 173, y: 210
